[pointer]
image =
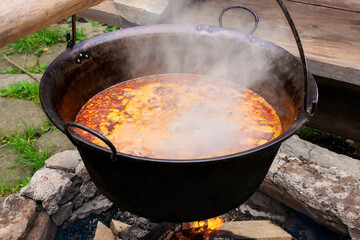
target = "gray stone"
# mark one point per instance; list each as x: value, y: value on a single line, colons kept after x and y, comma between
x: 43, y: 228
x: 54, y: 141
x: 21, y: 59
x: 326, y: 193
x: 17, y: 214
x: 71, y: 192
x: 66, y: 161
x: 133, y: 233
x: 78, y: 201
x: 81, y: 172
x: 10, y: 173
x: 17, y: 114
x: 260, y: 205
x: 53, y: 52
x: 88, y: 189
x: 94, y: 206
x: 62, y: 214
x: 91, y: 31
x: 9, y: 79
x: 147, y: 12
x: 48, y: 186
x: 22, y: 219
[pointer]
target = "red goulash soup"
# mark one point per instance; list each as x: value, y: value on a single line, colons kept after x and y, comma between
x: 179, y: 116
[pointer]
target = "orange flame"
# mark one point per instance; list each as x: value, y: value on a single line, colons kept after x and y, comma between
x: 208, y: 225
x: 197, y: 230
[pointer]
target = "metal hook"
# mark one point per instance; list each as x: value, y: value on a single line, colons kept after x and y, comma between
x: 308, y: 107
x: 71, y: 41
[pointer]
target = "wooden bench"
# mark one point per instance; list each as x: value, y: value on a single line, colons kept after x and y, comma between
x: 329, y: 30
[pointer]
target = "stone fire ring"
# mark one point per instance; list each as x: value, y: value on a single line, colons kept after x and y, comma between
x: 312, y: 180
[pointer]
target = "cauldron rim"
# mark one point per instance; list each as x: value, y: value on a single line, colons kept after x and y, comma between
x: 219, y: 32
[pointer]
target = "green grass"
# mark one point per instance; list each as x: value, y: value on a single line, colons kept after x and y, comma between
x: 28, y: 155
x: 11, y: 70
x: 38, y: 42
x: 22, y: 90
x: 330, y: 141
x: 110, y: 28
x: 24, y: 144
x: 6, y: 188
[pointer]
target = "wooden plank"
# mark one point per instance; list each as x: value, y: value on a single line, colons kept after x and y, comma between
x: 261, y: 229
x: 330, y: 36
x: 349, y: 5
x: 19, y: 18
x: 105, y: 12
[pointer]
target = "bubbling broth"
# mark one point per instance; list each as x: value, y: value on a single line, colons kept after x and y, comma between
x: 179, y: 116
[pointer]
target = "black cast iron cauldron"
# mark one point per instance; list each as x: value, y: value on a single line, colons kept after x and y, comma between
x: 177, y: 190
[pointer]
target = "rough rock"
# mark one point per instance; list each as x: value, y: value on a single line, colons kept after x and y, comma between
x: 88, y: 189
x: 103, y: 232
x: 326, y: 193
x: 133, y: 233
x: 19, y: 210
x: 21, y: 218
x: 54, y: 141
x: 78, y: 201
x: 62, y: 214
x: 94, y: 206
x: 81, y: 172
x: 48, y: 186
x: 71, y: 192
x: 260, y: 205
x: 147, y: 12
x: 66, y: 161
x: 9, y: 79
x: 17, y: 114
x: 9, y: 173
x: 43, y: 228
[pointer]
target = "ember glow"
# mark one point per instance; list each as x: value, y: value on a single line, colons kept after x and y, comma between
x: 212, y: 224
x: 180, y: 116
x: 199, y: 230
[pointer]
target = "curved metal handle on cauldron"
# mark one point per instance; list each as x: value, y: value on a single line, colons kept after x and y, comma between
x: 243, y: 7
x: 93, y: 132
x: 310, y: 109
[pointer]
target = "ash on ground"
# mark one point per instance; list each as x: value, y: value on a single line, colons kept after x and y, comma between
x: 297, y: 224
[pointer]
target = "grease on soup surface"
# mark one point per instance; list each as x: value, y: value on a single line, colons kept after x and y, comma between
x: 179, y: 116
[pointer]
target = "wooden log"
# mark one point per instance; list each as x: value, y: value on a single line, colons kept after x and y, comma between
x: 261, y: 229
x: 348, y: 5
x: 106, y: 12
x: 19, y: 18
x: 103, y: 232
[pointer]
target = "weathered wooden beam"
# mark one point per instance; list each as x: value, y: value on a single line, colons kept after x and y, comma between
x: 348, y: 5
x: 105, y: 12
x: 19, y: 18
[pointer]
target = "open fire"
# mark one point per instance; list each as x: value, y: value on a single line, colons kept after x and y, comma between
x: 198, y: 230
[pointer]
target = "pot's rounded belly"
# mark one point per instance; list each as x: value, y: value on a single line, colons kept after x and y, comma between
x: 179, y: 116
